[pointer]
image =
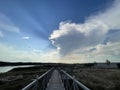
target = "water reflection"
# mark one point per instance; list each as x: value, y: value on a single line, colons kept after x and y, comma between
x: 8, y: 68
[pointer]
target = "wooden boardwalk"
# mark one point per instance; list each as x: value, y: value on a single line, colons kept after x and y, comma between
x: 55, y: 82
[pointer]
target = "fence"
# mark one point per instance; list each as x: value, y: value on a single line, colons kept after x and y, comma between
x: 40, y: 83
x: 70, y: 83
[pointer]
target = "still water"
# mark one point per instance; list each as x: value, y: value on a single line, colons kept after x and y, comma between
x: 8, y: 68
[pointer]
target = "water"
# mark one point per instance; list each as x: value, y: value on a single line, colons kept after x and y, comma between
x: 8, y: 68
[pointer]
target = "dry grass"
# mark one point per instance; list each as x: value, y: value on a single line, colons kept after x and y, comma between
x: 28, y: 74
x: 99, y: 79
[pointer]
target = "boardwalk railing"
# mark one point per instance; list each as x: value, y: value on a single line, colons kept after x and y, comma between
x: 70, y: 83
x: 40, y: 83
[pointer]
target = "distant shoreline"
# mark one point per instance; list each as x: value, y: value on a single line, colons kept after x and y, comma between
x: 81, y: 65
x: 18, y: 63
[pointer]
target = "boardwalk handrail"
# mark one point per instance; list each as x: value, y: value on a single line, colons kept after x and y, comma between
x: 43, y: 80
x: 70, y: 83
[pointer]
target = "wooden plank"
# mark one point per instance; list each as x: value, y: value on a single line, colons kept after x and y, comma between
x: 55, y: 82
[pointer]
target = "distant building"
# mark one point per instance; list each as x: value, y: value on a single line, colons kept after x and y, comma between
x: 105, y: 65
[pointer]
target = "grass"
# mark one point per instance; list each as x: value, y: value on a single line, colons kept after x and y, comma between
x: 95, y: 79
x: 99, y: 79
x: 28, y: 74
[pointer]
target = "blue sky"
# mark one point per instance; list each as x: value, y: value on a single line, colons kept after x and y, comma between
x: 59, y: 30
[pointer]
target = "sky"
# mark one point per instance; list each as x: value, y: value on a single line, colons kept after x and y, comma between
x: 60, y: 31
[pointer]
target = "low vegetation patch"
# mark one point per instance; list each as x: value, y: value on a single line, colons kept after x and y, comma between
x: 99, y: 79
x: 18, y: 78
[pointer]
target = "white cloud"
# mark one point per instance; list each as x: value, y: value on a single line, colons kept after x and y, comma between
x: 102, y: 52
x: 9, y: 53
x: 109, y: 49
x: 111, y: 16
x: 7, y: 25
x: 113, y: 37
x: 71, y: 37
x: 26, y: 38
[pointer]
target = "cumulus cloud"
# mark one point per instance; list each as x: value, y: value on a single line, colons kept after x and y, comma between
x: 110, y: 49
x: 71, y: 37
x: 113, y: 36
x: 110, y: 16
x: 102, y: 52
